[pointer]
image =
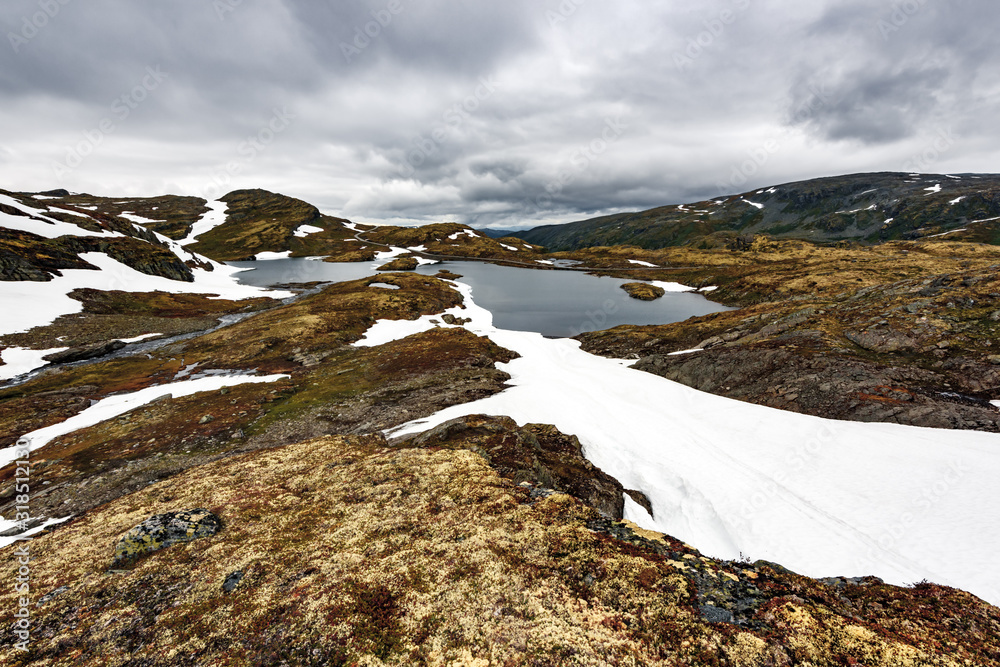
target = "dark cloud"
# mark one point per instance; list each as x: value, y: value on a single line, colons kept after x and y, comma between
x: 505, y: 114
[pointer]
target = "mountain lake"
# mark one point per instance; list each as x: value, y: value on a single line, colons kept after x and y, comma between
x: 553, y: 303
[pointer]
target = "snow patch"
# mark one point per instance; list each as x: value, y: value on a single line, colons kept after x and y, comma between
x: 20, y: 360
x: 132, y: 217
x: 264, y: 256
x: 383, y: 285
x: 509, y: 247
x: 679, y: 353
x: 113, y: 406
x: 672, y: 287
x: 391, y: 253
x: 303, y: 231
x: 934, y: 189
x: 418, y: 248
x: 956, y: 200
x: 7, y: 524
x: 138, y: 338
x: 640, y: 263
x: 45, y: 226
x: 754, y: 204
x: 464, y: 232
x: 215, y: 216
x: 66, y: 210
x: 545, y: 261
x: 27, y: 304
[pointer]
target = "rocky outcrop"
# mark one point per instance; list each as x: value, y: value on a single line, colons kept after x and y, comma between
x: 400, y: 264
x: 537, y: 454
x: 838, y: 387
x: 643, y: 291
x: 85, y: 352
x: 162, y: 531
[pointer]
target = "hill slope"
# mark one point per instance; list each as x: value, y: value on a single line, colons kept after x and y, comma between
x: 869, y: 208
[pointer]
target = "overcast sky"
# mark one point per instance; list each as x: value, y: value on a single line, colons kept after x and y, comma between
x: 503, y: 114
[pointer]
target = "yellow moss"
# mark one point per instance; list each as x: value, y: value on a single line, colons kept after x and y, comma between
x: 747, y: 650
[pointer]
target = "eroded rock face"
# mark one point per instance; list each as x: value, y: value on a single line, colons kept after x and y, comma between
x: 537, y: 453
x: 162, y: 531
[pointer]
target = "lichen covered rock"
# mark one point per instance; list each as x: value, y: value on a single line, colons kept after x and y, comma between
x: 161, y: 531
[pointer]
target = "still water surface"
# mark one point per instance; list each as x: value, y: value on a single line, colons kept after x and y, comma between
x: 553, y: 303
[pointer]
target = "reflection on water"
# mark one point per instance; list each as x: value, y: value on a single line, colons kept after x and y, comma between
x: 553, y: 303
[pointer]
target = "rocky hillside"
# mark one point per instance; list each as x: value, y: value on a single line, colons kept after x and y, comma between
x: 902, y: 332
x: 453, y: 240
x: 869, y: 208
x: 247, y: 222
x: 348, y: 550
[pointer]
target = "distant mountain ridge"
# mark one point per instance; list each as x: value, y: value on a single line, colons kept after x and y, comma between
x: 867, y: 208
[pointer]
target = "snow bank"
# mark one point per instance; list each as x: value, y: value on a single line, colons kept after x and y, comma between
x: 264, y: 256
x: 672, y: 287
x: 27, y: 304
x: 303, y: 231
x: 391, y: 253
x: 6, y: 525
x: 20, y: 360
x: 113, y: 406
x: 132, y: 217
x: 215, y: 216
x: 821, y: 497
x: 50, y: 228
x: 139, y: 338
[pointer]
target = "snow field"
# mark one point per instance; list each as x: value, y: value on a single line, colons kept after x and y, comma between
x: 821, y: 497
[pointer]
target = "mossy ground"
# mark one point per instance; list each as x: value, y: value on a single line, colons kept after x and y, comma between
x: 333, y: 388
x: 356, y: 553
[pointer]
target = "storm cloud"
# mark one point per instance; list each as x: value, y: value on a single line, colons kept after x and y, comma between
x: 495, y: 114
